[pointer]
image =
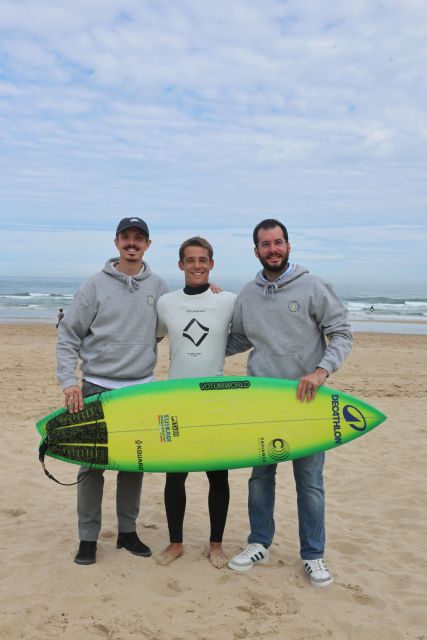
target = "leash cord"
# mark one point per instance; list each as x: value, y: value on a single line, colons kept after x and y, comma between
x: 45, y: 445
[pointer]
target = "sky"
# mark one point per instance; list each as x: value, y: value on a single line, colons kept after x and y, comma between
x: 204, y: 118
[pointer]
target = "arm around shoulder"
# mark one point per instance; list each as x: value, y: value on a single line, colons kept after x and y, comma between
x: 161, y: 328
x: 237, y: 342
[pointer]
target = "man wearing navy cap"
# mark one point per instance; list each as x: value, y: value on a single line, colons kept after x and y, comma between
x: 111, y: 328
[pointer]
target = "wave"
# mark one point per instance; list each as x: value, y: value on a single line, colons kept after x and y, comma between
x: 28, y: 294
x: 42, y: 297
x: 395, y: 308
x: 385, y: 300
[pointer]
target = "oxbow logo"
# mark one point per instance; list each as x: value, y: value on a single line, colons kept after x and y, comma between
x: 354, y: 417
x: 293, y: 306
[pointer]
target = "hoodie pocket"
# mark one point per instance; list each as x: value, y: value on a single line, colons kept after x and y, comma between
x: 272, y: 365
x: 124, y: 360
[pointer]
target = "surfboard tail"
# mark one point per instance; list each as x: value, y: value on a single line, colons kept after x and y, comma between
x: 80, y: 438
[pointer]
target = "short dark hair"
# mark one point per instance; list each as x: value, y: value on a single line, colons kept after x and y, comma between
x: 269, y: 223
x: 196, y: 241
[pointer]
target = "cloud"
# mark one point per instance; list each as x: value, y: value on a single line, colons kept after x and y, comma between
x: 213, y: 115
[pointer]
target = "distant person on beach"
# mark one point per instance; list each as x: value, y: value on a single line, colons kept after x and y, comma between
x: 372, y: 308
x: 111, y: 327
x: 297, y: 328
x: 197, y: 322
x: 60, y: 316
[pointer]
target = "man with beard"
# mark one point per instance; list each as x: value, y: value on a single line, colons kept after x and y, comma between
x: 298, y: 329
x: 111, y: 327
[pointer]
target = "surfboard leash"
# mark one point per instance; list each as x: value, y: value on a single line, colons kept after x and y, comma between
x: 42, y: 451
x: 45, y: 446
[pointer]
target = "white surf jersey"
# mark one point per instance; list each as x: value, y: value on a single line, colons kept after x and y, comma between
x: 197, y: 326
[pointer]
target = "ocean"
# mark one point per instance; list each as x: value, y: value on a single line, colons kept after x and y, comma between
x: 32, y: 299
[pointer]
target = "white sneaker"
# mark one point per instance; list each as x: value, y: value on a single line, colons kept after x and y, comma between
x: 320, y: 576
x: 253, y: 554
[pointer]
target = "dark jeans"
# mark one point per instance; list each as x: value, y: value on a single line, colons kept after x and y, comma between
x: 308, y: 474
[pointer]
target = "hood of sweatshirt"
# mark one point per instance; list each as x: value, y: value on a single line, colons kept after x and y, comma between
x: 131, y: 282
x: 270, y: 288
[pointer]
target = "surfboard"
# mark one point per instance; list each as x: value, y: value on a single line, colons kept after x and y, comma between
x: 202, y: 424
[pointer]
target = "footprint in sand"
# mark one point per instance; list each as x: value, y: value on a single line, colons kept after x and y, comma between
x: 107, y: 535
x: 104, y: 631
x: 363, y: 598
x: 169, y: 589
x: 14, y: 513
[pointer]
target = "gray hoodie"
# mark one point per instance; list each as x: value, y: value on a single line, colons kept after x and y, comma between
x: 111, y: 327
x: 293, y: 326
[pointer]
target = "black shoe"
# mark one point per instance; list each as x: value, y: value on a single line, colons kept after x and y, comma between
x: 132, y: 543
x: 86, y: 553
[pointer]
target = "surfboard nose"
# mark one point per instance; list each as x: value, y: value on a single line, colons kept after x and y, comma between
x: 362, y: 417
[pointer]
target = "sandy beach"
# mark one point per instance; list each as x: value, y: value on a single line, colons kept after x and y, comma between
x: 376, y: 524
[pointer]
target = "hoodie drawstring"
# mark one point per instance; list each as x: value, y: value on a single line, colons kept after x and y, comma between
x: 132, y: 283
x: 270, y: 288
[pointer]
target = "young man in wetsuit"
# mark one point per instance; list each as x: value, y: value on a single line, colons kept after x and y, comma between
x: 197, y: 321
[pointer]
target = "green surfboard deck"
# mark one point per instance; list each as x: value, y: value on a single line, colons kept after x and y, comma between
x: 201, y: 424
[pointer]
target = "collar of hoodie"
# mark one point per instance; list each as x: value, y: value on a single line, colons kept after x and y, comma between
x: 132, y: 283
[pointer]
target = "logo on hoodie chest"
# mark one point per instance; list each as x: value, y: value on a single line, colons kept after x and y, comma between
x: 293, y: 306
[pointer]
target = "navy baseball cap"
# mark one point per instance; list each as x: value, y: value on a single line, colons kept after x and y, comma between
x: 132, y: 223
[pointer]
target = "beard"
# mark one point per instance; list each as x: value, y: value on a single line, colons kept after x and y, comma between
x: 280, y: 267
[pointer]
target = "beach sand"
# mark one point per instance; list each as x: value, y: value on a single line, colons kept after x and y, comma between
x: 376, y: 505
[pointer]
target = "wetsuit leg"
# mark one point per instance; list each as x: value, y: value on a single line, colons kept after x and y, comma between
x: 218, y: 500
x: 175, y: 501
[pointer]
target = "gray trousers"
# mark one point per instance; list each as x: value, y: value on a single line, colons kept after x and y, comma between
x: 90, y: 490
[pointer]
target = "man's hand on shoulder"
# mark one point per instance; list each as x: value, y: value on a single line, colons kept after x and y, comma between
x: 73, y: 398
x: 309, y: 384
x: 214, y: 287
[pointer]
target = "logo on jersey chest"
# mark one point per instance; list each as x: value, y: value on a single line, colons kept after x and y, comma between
x: 195, y: 331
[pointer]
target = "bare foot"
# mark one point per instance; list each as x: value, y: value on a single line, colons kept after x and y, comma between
x: 217, y: 557
x: 171, y: 553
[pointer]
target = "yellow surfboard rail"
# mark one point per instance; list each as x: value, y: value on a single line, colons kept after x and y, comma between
x: 202, y: 424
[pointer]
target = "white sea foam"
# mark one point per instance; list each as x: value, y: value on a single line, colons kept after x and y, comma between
x: 29, y: 299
